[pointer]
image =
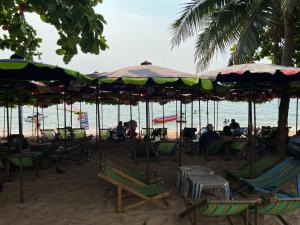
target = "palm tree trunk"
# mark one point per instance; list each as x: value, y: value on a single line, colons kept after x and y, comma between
x: 287, y: 60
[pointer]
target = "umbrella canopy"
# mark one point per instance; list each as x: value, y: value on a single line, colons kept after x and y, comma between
x: 255, y: 71
x: 140, y: 75
x: 19, y: 69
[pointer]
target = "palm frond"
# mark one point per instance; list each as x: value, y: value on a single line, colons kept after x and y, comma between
x: 223, y: 30
x: 249, y: 40
x: 192, y: 18
x: 292, y: 6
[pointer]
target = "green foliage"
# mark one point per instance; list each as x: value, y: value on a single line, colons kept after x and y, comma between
x: 249, y: 25
x: 76, y: 22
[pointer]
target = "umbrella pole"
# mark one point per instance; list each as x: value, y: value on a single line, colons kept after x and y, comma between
x: 4, y: 128
x: 99, y: 128
x: 192, y: 114
x: 217, y: 115
x: 32, y: 126
x: 185, y: 116
x: 7, y: 112
x: 207, y: 119
x: 21, y: 147
x: 139, y: 118
x: 163, y: 131
x: 180, y: 134
x: 57, y: 116
x: 214, y: 115
x: 199, y: 115
x: 10, y: 124
x: 43, y: 118
x: 80, y: 114
x: 147, y: 140
x: 119, y: 116
x: 65, y: 120
x: 250, y: 126
x: 71, y: 113
x: 176, y: 121
x: 37, y: 120
x: 152, y: 115
x: 297, y: 112
x: 102, y: 116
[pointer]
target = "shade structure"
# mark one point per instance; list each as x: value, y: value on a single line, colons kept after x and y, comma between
x: 255, y: 71
x: 146, y: 72
x: 19, y: 69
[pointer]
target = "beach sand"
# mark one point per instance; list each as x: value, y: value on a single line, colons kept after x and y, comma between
x: 79, y: 197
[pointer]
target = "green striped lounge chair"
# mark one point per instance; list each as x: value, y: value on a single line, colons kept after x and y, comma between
x: 214, y: 147
x: 63, y: 133
x: 273, y: 180
x: 255, y: 168
x: 148, y: 193
x: 217, y: 208
x: 238, y: 146
x: 78, y: 133
x: 105, y: 134
x: 26, y: 160
x: 167, y: 148
x: 48, y: 134
x: 135, y: 174
x: 278, y: 207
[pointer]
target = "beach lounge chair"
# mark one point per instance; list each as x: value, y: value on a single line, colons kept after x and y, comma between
x: 135, y: 174
x: 216, y: 208
x: 238, y: 146
x: 277, y: 207
x: 48, y: 134
x: 26, y: 160
x: 257, y: 167
x: 74, y: 153
x: 78, y: 133
x: 105, y: 134
x: 273, y: 180
x: 214, y: 147
x: 63, y: 133
x: 151, y: 193
x: 167, y: 148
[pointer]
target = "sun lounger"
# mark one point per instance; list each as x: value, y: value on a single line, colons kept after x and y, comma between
x: 135, y: 174
x: 48, y: 134
x: 63, y: 133
x: 26, y: 160
x: 216, y: 208
x: 78, y: 133
x: 151, y: 193
x: 167, y: 148
x: 238, y: 146
x: 274, y: 179
x: 105, y: 134
x: 255, y: 168
x: 214, y: 147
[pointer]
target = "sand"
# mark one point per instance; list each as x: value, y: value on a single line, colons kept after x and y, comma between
x: 79, y: 197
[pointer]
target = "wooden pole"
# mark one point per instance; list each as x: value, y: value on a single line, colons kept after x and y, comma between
x: 148, y: 140
x: 297, y: 112
x: 20, y: 113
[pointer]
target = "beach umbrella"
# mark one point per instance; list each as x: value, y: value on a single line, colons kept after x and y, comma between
x: 151, y: 82
x: 254, y: 77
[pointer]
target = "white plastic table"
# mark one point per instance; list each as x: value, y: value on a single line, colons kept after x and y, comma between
x: 199, y: 182
x: 185, y: 171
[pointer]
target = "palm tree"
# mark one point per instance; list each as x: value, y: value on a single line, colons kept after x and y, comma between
x: 219, y: 24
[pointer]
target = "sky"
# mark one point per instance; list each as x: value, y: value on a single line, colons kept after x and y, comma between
x: 136, y: 30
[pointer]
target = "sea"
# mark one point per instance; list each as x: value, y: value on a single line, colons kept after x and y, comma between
x: 216, y: 113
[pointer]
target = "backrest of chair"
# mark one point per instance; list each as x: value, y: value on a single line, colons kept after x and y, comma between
x: 214, y: 147
x: 239, y: 145
x: 166, y: 148
x: 105, y: 134
x: 280, y: 207
x: 144, y: 131
x: 78, y: 133
x: 225, y: 208
x: 63, y: 133
x: 18, y: 160
x: 279, y: 175
x: 48, y: 134
x: 258, y: 166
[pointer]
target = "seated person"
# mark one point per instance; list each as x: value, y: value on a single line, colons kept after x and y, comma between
x: 235, y: 127
x: 227, y: 134
x: 208, y: 136
x: 120, y: 131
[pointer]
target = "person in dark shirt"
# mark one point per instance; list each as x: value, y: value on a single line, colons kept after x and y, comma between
x: 234, y: 125
x: 208, y: 136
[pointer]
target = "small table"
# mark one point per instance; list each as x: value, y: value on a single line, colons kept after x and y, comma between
x: 200, y: 182
x: 185, y: 171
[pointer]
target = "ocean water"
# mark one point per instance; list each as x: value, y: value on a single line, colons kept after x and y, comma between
x: 266, y: 115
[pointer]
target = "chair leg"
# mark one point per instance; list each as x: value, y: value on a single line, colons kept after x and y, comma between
x: 119, y: 203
